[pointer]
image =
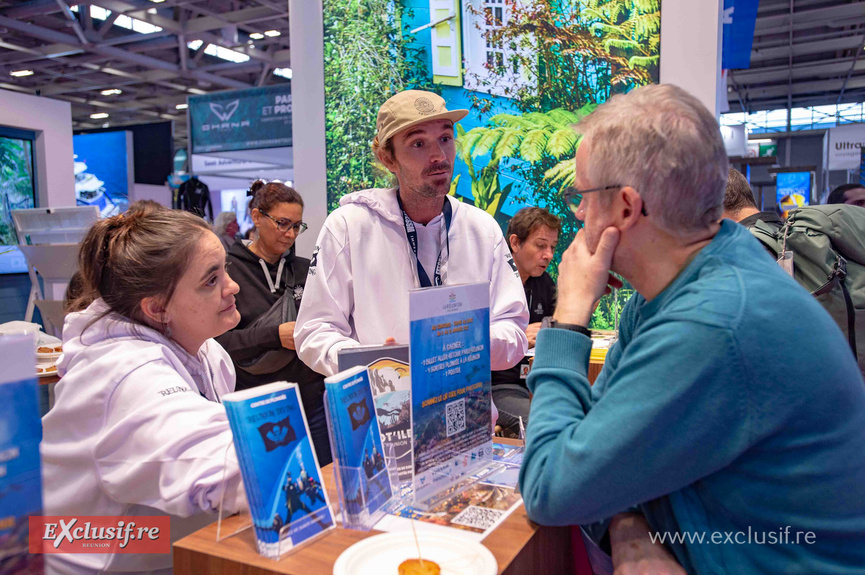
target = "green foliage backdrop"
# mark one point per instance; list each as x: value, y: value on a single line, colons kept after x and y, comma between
x: 16, y: 184
x: 367, y: 59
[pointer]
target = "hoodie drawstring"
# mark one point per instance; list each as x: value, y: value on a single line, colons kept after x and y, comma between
x: 270, y: 283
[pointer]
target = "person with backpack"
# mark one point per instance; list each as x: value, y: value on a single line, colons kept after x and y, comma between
x: 739, y: 204
x: 824, y: 247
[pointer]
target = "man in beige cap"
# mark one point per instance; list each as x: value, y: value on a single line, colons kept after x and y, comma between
x: 382, y: 243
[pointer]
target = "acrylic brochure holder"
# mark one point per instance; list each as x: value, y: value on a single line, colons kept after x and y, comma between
x: 373, y: 492
x: 230, y: 524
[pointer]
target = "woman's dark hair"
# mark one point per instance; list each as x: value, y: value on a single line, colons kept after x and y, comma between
x: 266, y: 195
x: 836, y: 196
x: 142, y: 253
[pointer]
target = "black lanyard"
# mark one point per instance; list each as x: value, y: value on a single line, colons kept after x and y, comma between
x: 444, y: 244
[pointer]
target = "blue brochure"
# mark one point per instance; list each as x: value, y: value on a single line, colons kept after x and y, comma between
x: 20, y: 471
x: 391, y: 389
x: 287, y: 499
x: 357, y: 446
x: 451, y: 395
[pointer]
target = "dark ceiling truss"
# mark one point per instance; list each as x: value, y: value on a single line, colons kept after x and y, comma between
x: 74, y: 56
x: 805, y: 53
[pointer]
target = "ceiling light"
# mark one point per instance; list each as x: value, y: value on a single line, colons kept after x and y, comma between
x: 157, y: 1
x: 256, y: 36
x: 283, y: 72
x: 761, y: 141
x: 181, y: 106
x: 105, y: 125
x: 98, y: 116
x: 111, y: 92
x: 21, y: 73
x: 272, y: 33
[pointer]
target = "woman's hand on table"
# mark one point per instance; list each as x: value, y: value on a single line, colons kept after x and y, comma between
x: 634, y: 552
x: 286, y: 334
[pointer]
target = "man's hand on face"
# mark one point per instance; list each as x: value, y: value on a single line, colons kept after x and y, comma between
x: 584, y: 277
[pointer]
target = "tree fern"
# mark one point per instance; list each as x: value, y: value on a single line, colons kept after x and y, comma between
x: 508, y: 145
x: 469, y: 141
x: 621, y: 44
x: 487, y: 142
x: 643, y: 61
x: 562, y: 142
x: 562, y: 173
x: 533, y: 145
x: 563, y: 117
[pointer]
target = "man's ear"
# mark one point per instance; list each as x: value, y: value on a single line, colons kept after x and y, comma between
x: 514, y: 242
x: 630, y: 208
x: 387, y: 160
x: 154, y: 311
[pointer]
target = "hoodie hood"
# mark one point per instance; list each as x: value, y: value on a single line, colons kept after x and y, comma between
x: 97, y: 327
x: 383, y: 202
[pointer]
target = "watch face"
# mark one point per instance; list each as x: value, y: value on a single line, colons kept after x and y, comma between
x: 546, y: 322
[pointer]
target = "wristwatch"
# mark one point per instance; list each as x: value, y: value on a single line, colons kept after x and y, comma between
x: 550, y: 322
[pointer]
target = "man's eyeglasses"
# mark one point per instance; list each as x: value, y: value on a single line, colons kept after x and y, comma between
x: 285, y: 225
x: 573, y: 196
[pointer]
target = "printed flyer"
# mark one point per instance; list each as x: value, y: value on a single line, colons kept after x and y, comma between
x: 450, y: 385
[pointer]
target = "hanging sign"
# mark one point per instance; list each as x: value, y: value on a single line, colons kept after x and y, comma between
x: 241, y: 119
x: 740, y: 16
x: 843, y: 146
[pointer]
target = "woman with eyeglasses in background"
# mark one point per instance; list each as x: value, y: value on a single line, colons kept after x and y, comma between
x: 271, y: 279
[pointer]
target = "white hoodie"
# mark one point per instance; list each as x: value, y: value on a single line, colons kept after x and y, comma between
x: 137, y: 429
x: 362, y: 270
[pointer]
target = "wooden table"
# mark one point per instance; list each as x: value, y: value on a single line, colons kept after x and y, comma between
x: 519, y: 546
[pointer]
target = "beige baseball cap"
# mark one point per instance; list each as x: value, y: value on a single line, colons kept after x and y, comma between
x: 409, y: 108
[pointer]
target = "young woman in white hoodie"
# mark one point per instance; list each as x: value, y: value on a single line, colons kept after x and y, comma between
x: 137, y: 427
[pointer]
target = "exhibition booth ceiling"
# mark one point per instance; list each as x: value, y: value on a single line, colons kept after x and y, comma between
x: 805, y: 53
x: 138, y: 60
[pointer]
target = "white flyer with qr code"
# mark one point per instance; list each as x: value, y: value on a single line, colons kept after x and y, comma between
x: 450, y: 386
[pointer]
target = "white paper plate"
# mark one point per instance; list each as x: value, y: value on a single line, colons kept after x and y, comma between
x: 383, y: 554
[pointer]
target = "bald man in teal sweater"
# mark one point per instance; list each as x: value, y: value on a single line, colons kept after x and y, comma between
x: 729, y: 419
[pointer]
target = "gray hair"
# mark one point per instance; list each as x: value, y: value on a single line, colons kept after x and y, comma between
x: 221, y: 222
x: 664, y: 143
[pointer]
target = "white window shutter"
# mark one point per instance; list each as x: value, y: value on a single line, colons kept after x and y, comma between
x: 445, y: 44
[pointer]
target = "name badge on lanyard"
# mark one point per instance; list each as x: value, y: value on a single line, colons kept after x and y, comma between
x: 440, y: 275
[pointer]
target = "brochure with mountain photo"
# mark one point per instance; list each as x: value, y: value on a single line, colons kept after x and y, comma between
x: 390, y: 381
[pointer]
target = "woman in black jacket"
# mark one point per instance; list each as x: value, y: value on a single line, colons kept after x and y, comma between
x: 262, y: 344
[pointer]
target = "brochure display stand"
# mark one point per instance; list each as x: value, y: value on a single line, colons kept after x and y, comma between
x: 364, y: 510
x: 243, y: 521
x: 288, y: 503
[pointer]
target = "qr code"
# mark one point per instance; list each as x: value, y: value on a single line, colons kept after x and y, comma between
x: 480, y: 518
x: 455, y: 416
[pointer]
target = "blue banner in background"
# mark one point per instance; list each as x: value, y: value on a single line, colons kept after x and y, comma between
x: 739, y: 19
x: 241, y: 119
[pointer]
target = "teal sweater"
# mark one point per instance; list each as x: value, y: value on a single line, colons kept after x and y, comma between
x: 730, y: 402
